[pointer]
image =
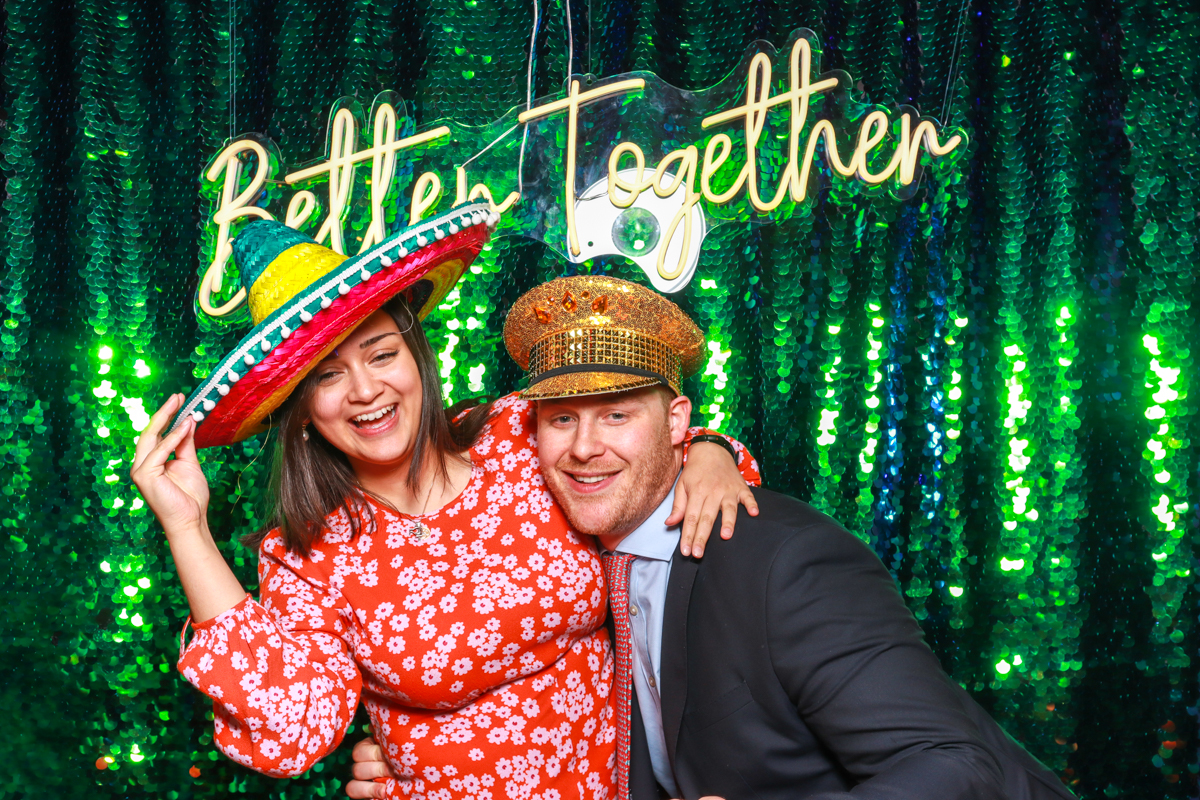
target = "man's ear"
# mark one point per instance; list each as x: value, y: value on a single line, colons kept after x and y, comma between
x: 679, y: 417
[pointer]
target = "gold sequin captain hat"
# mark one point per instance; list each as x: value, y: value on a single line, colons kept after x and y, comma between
x: 592, y: 334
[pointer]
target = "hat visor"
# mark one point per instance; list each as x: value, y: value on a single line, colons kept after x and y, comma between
x: 578, y: 384
x: 243, y: 407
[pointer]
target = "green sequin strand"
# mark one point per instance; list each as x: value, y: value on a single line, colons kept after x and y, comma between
x: 1161, y: 116
x: 786, y: 389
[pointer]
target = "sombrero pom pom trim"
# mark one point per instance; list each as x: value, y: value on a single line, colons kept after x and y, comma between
x: 254, y: 378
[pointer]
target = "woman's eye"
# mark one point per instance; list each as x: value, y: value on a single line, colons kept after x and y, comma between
x: 383, y: 356
x: 326, y: 377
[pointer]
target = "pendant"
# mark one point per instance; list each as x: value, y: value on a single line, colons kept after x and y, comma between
x: 419, y: 531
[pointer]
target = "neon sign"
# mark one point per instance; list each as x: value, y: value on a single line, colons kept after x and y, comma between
x: 751, y: 147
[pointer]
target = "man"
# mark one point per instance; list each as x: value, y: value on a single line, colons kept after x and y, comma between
x: 784, y: 663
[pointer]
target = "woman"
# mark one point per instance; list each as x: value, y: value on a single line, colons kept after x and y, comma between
x: 413, y: 560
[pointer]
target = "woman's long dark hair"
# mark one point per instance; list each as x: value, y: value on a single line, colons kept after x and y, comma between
x: 311, y: 478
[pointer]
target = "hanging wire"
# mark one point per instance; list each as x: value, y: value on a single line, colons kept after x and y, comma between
x: 528, y: 99
x: 232, y: 82
x: 528, y: 96
x: 493, y: 143
x: 529, y: 86
x: 951, y: 75
x: 570, y: 44
x: 238, y: 487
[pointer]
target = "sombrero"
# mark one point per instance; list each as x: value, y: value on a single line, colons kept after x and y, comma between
x: 592, y: 334
x: 305, y: 299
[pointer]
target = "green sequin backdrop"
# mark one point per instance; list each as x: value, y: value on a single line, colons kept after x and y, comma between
x: 987, y: 382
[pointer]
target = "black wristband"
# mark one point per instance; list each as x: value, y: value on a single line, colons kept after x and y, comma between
x: 721, y: 440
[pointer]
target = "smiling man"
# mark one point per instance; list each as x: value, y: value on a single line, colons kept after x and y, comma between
x: 782, y: 665
x: 607, y: 490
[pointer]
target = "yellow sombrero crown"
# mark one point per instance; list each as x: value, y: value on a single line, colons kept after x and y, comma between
x: 276, y: 263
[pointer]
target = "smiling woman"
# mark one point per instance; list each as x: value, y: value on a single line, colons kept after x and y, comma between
x: 415, y: 559
x: 368, y: 418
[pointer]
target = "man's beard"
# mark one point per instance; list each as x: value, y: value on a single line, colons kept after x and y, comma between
x: 639, y: 490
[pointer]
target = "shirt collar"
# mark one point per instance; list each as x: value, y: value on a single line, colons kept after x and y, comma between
x: 653, y: 539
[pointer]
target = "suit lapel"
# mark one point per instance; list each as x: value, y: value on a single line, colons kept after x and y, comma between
x: 674, y: 647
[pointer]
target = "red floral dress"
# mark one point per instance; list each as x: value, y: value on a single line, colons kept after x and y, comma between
x: 474, y: 635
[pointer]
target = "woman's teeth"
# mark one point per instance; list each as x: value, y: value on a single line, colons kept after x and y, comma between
x: 374, y: 415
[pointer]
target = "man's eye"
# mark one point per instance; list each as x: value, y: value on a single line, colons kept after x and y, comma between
x: 618, y: 416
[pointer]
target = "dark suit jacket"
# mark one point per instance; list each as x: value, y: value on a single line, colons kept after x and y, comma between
x: 791, y: 668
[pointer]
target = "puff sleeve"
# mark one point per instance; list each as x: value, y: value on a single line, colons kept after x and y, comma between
x: 280, y: 672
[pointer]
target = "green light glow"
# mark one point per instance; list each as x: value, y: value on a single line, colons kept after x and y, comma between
x: 475, y: 378
x: 715, y: 369
x: 136, y: 409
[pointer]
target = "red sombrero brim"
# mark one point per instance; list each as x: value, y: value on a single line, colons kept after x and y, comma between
x: 243, y: 406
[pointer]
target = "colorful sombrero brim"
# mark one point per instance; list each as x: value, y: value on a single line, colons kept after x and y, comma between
x: 256, y: 377
x: 585, y: 383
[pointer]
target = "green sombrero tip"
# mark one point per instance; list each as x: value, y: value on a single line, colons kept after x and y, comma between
x: 260, y: 243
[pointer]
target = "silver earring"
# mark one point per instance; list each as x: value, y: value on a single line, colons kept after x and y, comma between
x: 304, y: 432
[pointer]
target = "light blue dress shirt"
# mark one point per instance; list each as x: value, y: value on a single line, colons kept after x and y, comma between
x: 654, y: 544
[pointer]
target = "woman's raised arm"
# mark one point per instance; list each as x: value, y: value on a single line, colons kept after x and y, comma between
x: 177, y: 493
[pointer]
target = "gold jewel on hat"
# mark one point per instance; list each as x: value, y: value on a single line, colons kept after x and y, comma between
x: 593, y: 334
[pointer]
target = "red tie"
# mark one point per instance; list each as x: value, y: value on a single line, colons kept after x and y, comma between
x: 616, y: 574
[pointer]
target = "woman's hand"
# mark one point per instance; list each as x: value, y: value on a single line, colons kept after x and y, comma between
x: 177, y: 493
x: 370, y: 771
x: 710, y: 483
x: 175, y: 489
